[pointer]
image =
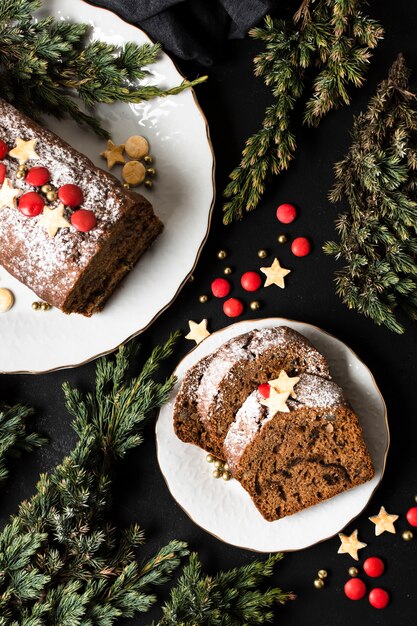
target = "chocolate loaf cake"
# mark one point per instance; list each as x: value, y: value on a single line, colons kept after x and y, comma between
x: 265, y: 403
x: 73, y: 239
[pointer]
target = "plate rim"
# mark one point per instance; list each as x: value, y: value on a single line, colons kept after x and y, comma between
x: 200, y: 248
x: 325, y: 332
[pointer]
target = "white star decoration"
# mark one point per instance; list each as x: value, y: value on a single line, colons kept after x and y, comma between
x: 53, y: 219
x: 275, y: 274
x: 384, y: 522
x: 285, y: 383
x: 198, y: 332
x: 24, y: 150
x: 8, y: 195
x: 350, y: 545
x: 276, y: 402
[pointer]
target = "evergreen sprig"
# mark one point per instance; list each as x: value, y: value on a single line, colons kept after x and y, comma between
x: 378, y: 180
x: 313, y: 59
x: 46, y: 66
x: 14, y: 437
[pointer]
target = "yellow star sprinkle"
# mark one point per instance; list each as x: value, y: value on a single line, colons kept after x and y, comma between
x: 198, y: 332
x: 275, y: 274
x: 113, y: 154
x: 24, y: 150
x: 384, y: 522
x: 53, y: 219
x: 276, y: 402
x: 8, y: 195
x: 350, y: 545
x: 285, y: 383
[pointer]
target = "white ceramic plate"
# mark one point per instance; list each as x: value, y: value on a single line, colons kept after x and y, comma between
x: 183, y: 197
x: 225, y: 509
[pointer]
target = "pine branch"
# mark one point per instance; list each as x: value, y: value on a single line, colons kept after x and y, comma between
x: 378, y: 179
x: 48, y: 67
x: 14, y: 438
x: 328, y: 39
x: 230, y: 598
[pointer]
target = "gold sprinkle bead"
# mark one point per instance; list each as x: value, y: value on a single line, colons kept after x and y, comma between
x: 148, y: 183
x: 45, y: 306
x: 415, y: 498
x: 21, y: 167
x: 407, y: 535
x: 227, y: 271
x: 218, y: 464
x: 322, y: 573
x: 282, y: 238
x: 222, y: 254
x: 255, y: 305
x: 209, y: 458
x: 20, y: 174
x: 216, y: 473
x: 262, y: 254
x: 203, y: 298
x: 126, y: 185
x: 46, y: 188
x: 150, y: 171
x: 148, y: 159
x: 226, y: 467
x: 226, y: 476
x: 191, y: 279
x: 319, y: 583
x: 353, y: 571
x: 51, y: 196
x: 35, y: 305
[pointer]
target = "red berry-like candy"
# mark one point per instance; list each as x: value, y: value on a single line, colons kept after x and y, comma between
x: 232, y: 307
x: 301, y: 246
x: 71, y: 195
x: 220, y: 287
x: 83, y: 220
x: 379, y: 598
x: 38, y: 176
x: 2, y: 173
x: 286, y: 213
x: 3, y: 149
x: 250, y: 281
x: 31, y: 204
x: 355, y: 589
x: 374, y: 566
x: 412, y: 516
x: 265, y: 390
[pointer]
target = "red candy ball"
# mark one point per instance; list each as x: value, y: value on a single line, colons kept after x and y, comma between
x: 83, y: 220
x: 71, y: 195
x: 286, y: 213
x: 232, y: 307
x: 250, y: 281
x: 412, y: 516
x: 3, y: 149
x: 379, y: 598
x: 2, y: 173
x: 355, y: 589
x: 38, y: 176
x: 220, y: 287
x: 301, y: 246
x: 31, y: 204
x: 265, y: 390
x: 374, y: 566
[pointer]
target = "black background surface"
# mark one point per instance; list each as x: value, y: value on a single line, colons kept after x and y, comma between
x: 234, y: 101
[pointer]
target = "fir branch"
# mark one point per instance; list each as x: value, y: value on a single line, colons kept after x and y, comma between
x: 330, y: 40
x: 377, y: 178
x: 46, y: 66
x: 14, y: 438
x: 230, y: 598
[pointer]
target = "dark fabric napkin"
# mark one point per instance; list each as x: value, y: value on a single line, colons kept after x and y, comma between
x: 195, y: 30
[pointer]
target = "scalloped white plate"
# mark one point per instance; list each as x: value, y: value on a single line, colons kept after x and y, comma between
x: 225, y: 509
x: 183, y: 196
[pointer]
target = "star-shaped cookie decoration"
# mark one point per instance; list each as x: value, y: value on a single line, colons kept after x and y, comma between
x: 384, y: 522
x: 53, y: 219
x: 113, y: 154
x: 24, y: 150
x: 276, y: 402
x: 350, y: 545
x: 198, y: 332
x: 275, y: 274
x: 8, y: 195
x: 285, y: 383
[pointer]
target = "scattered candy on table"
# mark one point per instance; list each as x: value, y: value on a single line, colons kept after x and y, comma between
x: 113, y: 154
x: 286, y: 213
x: 412, y: 516
x: 384, y: 522
x: 301, y: 246
x: 378, y: 598
x: 220, y: 287
x: 355, y: 589
x: 275, y: 274
x: 374, y: 566
x: 350, y: 544
x: 232, y: 307
x: 137, y: 147
x: 6, y: 300
x: 251, y: 281
x: 198, y: 331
